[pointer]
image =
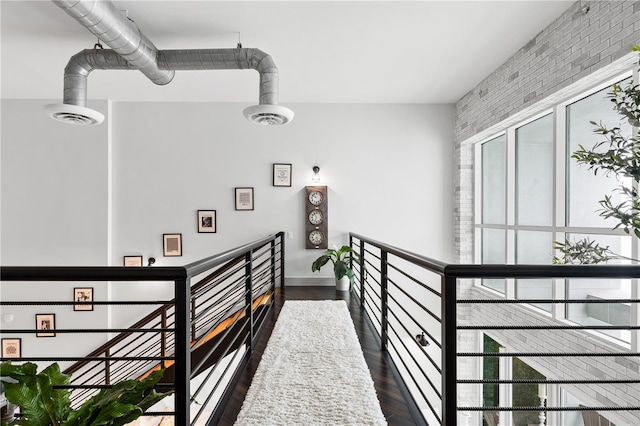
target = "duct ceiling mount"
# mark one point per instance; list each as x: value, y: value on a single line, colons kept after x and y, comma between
x: 131, y: 49
x: 268, y: 115
x: 74, y: 114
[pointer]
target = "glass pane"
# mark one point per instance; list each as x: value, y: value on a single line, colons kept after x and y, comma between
x: 494, y: 251
x: 585, y: 189
x: 494, y: 175
x: 526, y: 395
x: 490, y: 371
x: 534, y: 248
x: 534, y: 172
x: 596, y: 290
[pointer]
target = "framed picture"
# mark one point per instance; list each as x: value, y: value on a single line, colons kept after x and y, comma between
x: 83, y: 294
x: 46, y: 322
x: 244, y: 198
x: 132, y: 261
x: 206, y: 221
x: 11, y: 348
x: 172, y: 245
x: 281, y: 174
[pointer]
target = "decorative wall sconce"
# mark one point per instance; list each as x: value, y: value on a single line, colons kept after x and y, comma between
x: 315, y: 178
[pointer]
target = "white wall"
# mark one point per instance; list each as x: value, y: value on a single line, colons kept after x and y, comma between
x: 54, y: 211
x: 389, y: 169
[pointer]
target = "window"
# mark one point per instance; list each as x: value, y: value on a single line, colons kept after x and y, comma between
x: 532, y: 193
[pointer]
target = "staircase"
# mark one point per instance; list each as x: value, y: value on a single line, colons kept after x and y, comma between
x: 207, y: 331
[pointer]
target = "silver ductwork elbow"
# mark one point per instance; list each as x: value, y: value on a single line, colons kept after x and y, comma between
x: 267, y: 112
x: 74, y: 109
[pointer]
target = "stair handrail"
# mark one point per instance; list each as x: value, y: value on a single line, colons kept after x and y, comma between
x: 157, y: 313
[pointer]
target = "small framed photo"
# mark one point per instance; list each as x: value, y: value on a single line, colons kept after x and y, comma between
x: 132, y: 261
x: 172, y: 245
x: 206, y: 221
x: 244, y: 198
x: 46, y: 322
x: 83, y: 294
x: 281, y: 174
x: 11, y: 348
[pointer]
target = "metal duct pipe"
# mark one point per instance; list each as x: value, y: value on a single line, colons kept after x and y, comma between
x: 226, y: 59
x: 136, y: 51
x: 268, y: 112
x: 74, y: 108
x: 118, y: 32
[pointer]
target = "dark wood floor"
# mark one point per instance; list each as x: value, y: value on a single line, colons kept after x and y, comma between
x: 392, y: 402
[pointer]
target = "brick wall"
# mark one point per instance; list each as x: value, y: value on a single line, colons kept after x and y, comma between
x: 576, y: 50
x: 569, y: 368
x: 574, y: 46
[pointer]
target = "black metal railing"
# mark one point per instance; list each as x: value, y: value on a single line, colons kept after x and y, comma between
x: 421, y: 309
x: 207, y: 330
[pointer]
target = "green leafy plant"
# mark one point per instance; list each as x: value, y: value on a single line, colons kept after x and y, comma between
x: 44, y: 403
x: 341, y: 259
x: 617, y: 154
x: 585, y: 251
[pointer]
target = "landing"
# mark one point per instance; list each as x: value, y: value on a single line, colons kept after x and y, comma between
x: 393, y: 404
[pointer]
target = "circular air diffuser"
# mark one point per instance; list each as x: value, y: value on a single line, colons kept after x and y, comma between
x: 268, y: 115
x: 74, y: 114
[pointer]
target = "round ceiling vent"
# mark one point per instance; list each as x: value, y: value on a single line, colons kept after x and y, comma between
x: 74, y: 114
x: 268, y: 115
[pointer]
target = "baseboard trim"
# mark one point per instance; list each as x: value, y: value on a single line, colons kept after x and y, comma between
x: 309, y: 282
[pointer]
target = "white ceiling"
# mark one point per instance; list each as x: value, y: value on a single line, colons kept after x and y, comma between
x: 326, y: 51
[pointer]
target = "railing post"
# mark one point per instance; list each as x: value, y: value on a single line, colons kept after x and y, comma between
x: 362, y: 274
x: 248, y: 268
x: 192, y: 317
x: 384, y: 301
x: 163, y: 337
x: 107, y: 367
x: 281, y: 234
x: 273, y: 269
x: 182, y: 355
x: 449, y: 351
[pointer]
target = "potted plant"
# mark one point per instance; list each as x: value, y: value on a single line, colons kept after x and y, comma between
x: 341, y: 259
x: 46, y: 401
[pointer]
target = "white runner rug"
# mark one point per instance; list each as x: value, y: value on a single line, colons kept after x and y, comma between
x: 312, y: 372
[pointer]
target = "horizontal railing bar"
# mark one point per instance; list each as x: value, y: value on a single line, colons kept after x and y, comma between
x: 548, y: 327
x: 366, y: 250
x: 413, y: 358
x: 538, y: 408
x: 423, y: 261
x: 530, y: 301
x: 97, y: 303
x: 239, y: 266
x: 204, y: 405
x: 413, y: 299
x: 211, y: 279
x: 542, y: 271
x: 413, y: 320
x: 92, y: 273
x: 202, y: 265
x: 546, y: 354
x: 415, y: 280
x: 91, y: 359
x: 372, y: 266
x: 92, y: 330
x: 424, y: 397
x: 551, y: 382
